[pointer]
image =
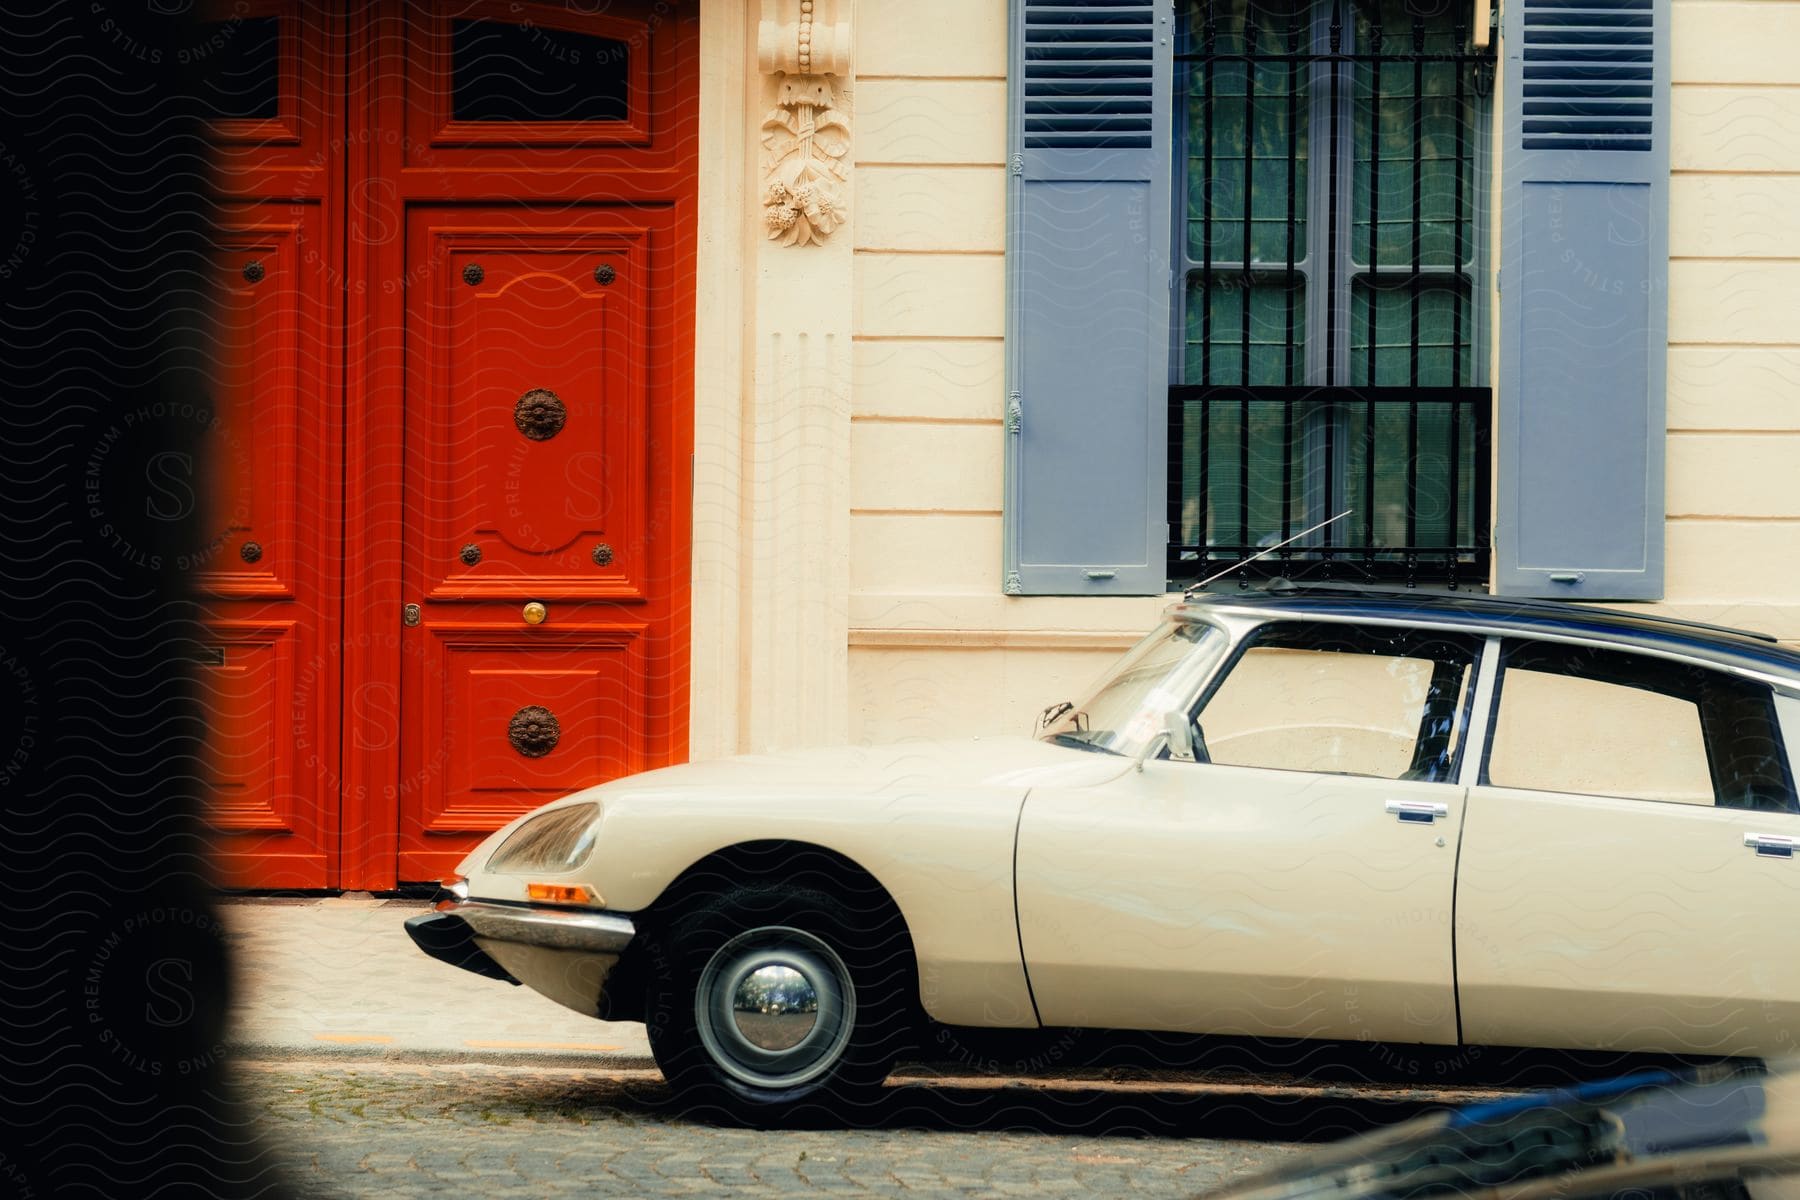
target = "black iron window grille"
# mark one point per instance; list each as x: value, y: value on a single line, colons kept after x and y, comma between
x: 1330, y: 349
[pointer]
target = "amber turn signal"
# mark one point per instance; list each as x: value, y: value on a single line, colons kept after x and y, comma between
x: 562, y: 893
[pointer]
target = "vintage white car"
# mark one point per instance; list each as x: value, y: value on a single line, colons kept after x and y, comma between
x: 1301, y: 812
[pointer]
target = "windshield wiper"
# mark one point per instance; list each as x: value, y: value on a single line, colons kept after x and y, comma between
x: 1080, y: 742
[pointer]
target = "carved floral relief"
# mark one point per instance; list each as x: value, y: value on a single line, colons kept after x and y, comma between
x: 806, y: 136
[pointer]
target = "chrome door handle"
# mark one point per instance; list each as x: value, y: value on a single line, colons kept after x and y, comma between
x: 1419, y: 811
x: 1771, y: 845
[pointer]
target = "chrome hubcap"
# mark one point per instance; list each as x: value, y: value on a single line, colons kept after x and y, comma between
x: 775, y: 1007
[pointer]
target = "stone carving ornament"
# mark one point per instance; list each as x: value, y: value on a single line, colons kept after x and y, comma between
x: 806, y: 136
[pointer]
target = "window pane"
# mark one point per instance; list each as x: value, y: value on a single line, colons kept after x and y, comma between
x: 1247, y: 130
x: 1213, y: 492
x: 1416, y: 465
x: 1390, y: 319
x: 1411, y: 132
x: 506, y: 72
x: 239, y: 63
x: 1214, y: 349
x: 1339, y: 703
x: 1563, y: 733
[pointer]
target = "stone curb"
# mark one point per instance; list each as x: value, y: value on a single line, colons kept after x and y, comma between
x: 325, y: 1053
x: 909, y: 1073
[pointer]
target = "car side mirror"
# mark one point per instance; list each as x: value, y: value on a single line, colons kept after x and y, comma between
x: 1181, y: 734
x: 1176, y: 734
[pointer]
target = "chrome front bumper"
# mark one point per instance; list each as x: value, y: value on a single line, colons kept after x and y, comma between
x: 448, y: 932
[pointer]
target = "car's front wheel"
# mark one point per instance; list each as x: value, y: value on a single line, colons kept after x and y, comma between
x: 774, y: 1006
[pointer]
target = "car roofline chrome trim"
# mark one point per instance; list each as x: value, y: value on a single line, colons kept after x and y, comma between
x: 1252, y: 615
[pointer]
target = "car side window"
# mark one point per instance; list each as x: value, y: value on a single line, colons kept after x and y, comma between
x: 1343, y: 699
x: 1610, y: 723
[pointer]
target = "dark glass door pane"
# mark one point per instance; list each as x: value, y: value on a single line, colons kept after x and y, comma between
x: 504, y: 72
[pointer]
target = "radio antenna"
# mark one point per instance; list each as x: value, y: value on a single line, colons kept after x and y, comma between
x: 1194, y: 587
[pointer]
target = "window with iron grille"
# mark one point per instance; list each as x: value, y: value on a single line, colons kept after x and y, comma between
x: 1330, y: 328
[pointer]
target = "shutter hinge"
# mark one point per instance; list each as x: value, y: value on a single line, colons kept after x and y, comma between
x: 1016, y: 165
x: 1015, y: 413
x: 1014, y: 585
x: 1496, y: 279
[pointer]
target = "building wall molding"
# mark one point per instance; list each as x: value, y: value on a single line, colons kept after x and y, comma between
x: 721, y: 379
x: 992, y: 639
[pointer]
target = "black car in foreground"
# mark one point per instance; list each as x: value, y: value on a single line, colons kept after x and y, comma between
x: 1729, y: 1132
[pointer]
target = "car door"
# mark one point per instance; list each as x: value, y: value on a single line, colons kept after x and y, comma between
x: 1298, y: 883
x: 1628, y: 879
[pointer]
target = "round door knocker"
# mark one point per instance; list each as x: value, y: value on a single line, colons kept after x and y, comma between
x: 604, y: 274
x: 603, y: 555
x: 534, y: 731
x: 253, y: 270
x: 470, y: 554
x: 250, y: 552
x: 540, y: 414
x: 473, y: 274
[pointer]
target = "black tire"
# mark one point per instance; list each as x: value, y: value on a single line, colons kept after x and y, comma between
x: 855, y: 966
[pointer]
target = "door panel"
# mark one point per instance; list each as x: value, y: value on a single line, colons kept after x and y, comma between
x: 252, y: 763
x: 535, y: 426
x: 529, y: 458
x: 1236, y: 900
x: 251, y: 444
x: 269, y: 677
x: 507, y: 722
x: 1629, y: 924
x: 266, y: 805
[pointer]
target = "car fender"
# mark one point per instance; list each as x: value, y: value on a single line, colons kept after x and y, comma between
x: 943, y: 854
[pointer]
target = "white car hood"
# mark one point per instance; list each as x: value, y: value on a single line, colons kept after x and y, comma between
x: 1004, y: 762
x: 847, y: 776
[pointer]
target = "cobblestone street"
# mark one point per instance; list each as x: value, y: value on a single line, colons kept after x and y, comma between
x: 411, y: 1129
x: 370, y: 1070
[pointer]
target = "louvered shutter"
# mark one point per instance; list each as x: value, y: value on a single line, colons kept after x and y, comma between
x: 1583, y: 299
x: 1088, y: 297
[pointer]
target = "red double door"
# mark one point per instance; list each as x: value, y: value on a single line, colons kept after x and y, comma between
x: 451, y: 424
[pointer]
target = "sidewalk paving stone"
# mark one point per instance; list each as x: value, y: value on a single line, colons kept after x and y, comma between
x: 340, y: 975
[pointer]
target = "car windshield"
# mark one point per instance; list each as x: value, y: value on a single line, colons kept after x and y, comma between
x: 1161, y: 673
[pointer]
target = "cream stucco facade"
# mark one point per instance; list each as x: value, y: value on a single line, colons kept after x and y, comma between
x: 849, y: 434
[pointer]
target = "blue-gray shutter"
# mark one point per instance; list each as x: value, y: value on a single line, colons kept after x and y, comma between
x: 1583, y: 299
x: 1087, y: 268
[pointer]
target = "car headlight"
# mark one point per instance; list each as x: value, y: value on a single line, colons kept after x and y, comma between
x: 551, y: 842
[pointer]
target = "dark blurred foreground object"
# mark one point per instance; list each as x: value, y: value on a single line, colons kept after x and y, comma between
x: 114, y: 1078
x: 1720, y: 1133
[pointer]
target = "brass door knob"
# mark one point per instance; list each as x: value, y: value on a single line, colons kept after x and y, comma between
x: 534, y: 613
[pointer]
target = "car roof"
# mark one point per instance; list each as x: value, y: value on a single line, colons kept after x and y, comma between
x: 1733, y: 648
